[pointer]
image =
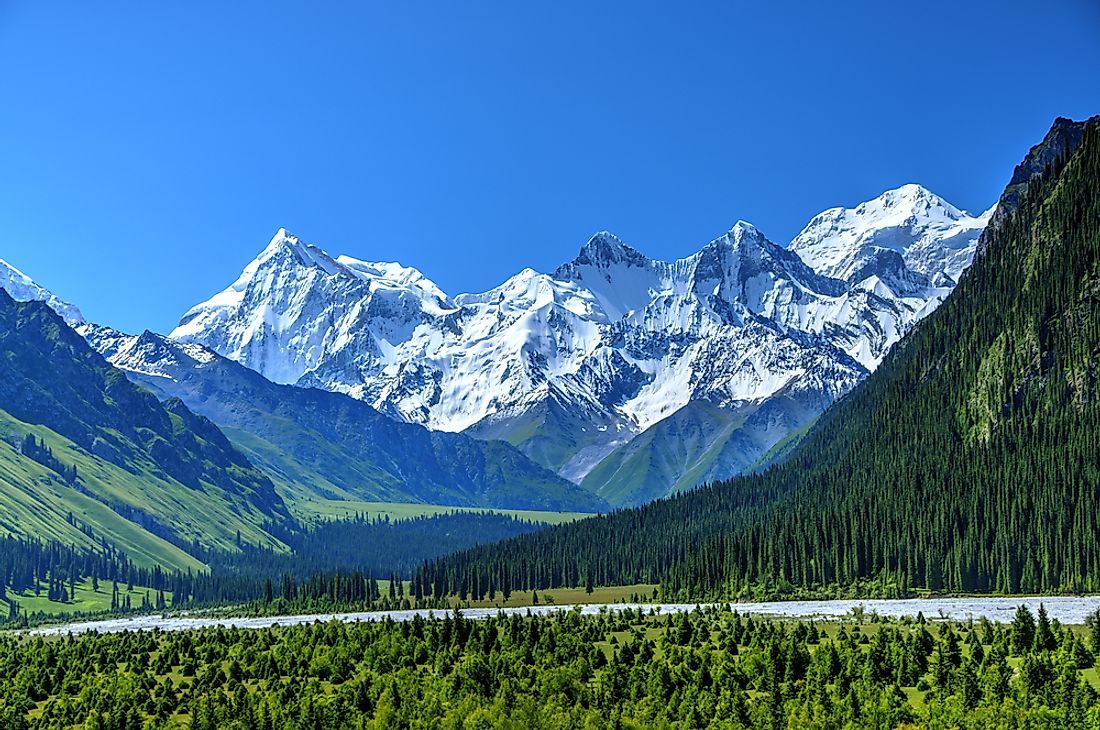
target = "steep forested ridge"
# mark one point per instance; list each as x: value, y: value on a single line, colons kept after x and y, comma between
x: 968, y: 461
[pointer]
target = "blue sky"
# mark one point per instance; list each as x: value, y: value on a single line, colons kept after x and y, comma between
x: 149, y: 152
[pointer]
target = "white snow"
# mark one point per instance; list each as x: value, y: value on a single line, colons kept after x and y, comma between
x: 625, y: 339
x: 932, y: 235
x: 23, y: 289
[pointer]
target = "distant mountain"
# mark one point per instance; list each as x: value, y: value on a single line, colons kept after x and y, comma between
x: 110, y: 460
x: 318, y: 444
x: 909, y: 231
x: 22, y: 288
x: 966, y: 462
x: 576, y: 366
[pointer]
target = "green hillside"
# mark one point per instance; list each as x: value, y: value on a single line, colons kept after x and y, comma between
x: 966, y: 462
x: 35, y: 501
x: 687, y: 442
x: 86, y: 451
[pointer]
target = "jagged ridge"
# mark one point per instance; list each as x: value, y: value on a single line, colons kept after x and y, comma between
x: 570, y: 366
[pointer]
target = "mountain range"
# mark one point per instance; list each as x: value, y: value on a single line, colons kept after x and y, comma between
x: 318, y: 445
x: 966, y: 462
x: 614, y: 380
x: 631, y: 376
x: 92, y: 456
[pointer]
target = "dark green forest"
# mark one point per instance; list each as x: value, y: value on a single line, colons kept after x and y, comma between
x: 967, y: 462
x: 708, y: 668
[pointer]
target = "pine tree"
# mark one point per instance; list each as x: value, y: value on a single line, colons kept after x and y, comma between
x: 1044, y: 637
x: 1023, y: 631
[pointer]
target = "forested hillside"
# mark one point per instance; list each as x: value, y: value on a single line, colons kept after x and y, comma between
x: 968, y: 461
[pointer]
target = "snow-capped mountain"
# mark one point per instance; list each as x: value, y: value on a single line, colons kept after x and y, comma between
x: 934, y: 239
x: 304, y: 306
x: 573, y: 366
x: 23, y: 289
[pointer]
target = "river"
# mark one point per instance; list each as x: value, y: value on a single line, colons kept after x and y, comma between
x: 1068, y: 610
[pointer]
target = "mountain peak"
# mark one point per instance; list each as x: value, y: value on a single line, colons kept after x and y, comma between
x: 283, y: 239
x: 743, y: 228
x: 604, y: 249
x: 912, y: 199
x: 912, y: 190
x: 22, y: 288
x: 387, y: 274
x: 740, y: 235
x: 282, y: 235
x: 1062, y: 139
x: 305, y: 253
x: 932, y: 236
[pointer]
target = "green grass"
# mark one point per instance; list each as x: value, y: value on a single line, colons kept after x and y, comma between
x: 618, y: 474
x: 335, y: 508
x: 679, y: 451
x: 297, y: 482
x: 36, y: 502
x: 696, y: 475
x: 86, y: 601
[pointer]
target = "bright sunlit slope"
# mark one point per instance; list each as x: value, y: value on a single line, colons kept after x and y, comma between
x: 172, y: 475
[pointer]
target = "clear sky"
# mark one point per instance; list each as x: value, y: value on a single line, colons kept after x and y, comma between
x: 149, y: 152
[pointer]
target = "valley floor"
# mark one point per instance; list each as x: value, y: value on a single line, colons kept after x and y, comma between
x: 1067, y: 610
x: 344, y: 509
x: 632, y: 667
x: 85, y: 599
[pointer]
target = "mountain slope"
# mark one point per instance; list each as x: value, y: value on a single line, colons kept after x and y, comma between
x: 37, y: 501
x: 327, y: 445
x: 22, y: 288
x: 702, y: 443
x: 570, y: 367
x: 157, y: 465
x: 967, y: 461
